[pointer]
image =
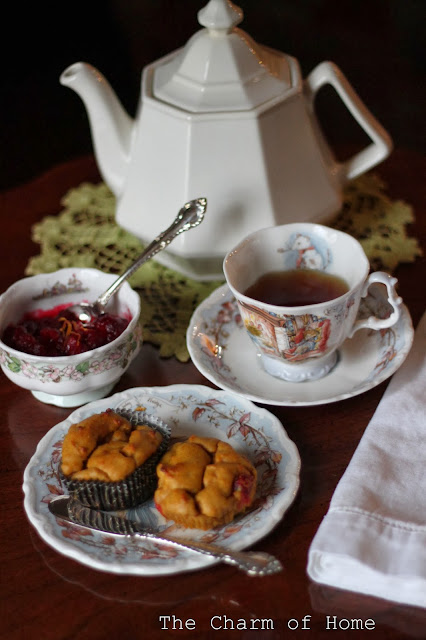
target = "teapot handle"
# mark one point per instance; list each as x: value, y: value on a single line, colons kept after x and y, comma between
x: 329, y: 73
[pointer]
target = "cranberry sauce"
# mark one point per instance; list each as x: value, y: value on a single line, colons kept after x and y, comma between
x: 58, y: 332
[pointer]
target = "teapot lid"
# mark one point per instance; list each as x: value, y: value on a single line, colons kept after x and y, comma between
x: 221, y: 68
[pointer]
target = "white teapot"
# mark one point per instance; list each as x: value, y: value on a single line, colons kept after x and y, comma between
x: 230, y: 120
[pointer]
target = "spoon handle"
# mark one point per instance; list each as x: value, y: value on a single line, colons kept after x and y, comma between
x: 189, y: 216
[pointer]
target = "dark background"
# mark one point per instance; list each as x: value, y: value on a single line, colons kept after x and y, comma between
x: 378, y: 44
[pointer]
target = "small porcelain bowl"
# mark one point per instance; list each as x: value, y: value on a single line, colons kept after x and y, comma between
x: 69, y: 381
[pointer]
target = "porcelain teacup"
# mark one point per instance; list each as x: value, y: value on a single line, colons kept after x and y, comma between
x: 301, y: 342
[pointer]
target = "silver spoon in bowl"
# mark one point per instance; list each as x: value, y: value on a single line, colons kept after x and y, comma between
x: 189, y: 216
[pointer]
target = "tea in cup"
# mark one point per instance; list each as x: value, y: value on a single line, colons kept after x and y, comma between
x: 298, y: 288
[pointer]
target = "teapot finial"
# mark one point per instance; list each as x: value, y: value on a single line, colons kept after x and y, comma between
x: 220, y: 15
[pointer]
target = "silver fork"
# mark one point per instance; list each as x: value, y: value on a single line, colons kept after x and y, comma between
x: 254, y: 563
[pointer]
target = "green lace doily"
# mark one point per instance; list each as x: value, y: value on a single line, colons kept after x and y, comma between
x: 84, y: 234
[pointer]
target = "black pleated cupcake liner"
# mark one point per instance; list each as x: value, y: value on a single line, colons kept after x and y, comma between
x: 105, y: 521
x: 133, y: 490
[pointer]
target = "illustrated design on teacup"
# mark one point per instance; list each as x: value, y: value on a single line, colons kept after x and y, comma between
x: 302, y: 252
x: 288, y: 336
x: 298, y: 289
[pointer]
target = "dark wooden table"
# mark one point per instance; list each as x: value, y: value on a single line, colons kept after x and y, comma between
x: 45, y: 595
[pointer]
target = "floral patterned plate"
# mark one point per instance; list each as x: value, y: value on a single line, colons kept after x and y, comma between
x: 223, y: 352
x: 187, y: 409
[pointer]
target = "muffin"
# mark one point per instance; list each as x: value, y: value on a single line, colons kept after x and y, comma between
x: 204, y: 483
x: 109, y: 459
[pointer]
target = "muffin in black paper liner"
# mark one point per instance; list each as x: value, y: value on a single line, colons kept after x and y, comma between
x: 137, y: 487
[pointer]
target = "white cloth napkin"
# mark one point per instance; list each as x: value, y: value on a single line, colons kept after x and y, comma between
x: 373, y: 538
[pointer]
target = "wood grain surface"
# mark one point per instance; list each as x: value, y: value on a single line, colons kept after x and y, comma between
x: 47, y: 596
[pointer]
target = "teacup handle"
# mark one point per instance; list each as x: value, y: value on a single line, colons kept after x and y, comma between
x: 372, y: 322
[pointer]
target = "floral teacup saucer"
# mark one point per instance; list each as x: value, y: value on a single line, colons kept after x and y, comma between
x: 223, y: 352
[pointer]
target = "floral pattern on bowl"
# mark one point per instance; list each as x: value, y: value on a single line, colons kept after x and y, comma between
x: 73, y: 285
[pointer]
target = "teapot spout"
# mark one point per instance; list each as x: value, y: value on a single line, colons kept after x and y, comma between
x: 110, y: 125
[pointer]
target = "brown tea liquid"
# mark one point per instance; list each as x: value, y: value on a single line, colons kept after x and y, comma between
x: 296, y: 287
